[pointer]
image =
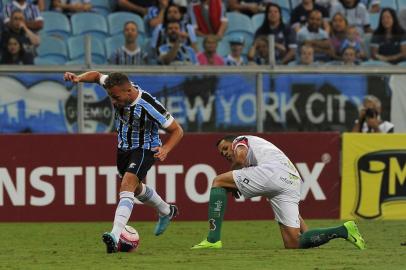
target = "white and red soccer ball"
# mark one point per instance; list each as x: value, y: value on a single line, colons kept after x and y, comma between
x: 129, y: 240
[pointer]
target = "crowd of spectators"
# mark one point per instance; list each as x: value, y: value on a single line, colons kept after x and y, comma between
x: 197, y: 32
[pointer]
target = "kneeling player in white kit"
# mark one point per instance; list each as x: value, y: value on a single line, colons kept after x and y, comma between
x: 259, y: 168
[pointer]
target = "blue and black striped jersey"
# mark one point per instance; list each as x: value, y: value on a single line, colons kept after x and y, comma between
x: 138, y: 123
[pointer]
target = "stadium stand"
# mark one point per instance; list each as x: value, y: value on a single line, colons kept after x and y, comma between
x: 101, y: 7
x: 76, y: 48
x: 89, y: 23
x: 44, y: 61
x: 56, y: 24
x: 117, y: 20
x: 374, y: 20
x: 389, y: 3
x: 401, y: 4
x: 223, y: 48
x: 283, y: 4
x: 79, y: 61
x: 257, y: 21
x: 238, y: 22
x: 52, y: 49
x: 107, y: 26
x: 113, y: 43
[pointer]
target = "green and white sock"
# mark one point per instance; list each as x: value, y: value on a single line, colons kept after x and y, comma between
x: 318, y: 237
x: 217, y: 207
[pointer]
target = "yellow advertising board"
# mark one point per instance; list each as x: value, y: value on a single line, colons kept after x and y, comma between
x: 373, y: 182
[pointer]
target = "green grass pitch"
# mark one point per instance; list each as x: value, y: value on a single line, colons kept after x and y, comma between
x: 247, y: 245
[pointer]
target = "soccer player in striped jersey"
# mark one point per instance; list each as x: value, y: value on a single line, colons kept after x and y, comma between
x: 138, y: 117
x: 259, y: 168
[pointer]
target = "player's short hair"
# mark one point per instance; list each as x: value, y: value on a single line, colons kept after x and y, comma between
x: 116, y: 78
x: 227, y: 138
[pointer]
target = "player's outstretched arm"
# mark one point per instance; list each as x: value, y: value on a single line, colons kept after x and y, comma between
x: 90, y: 77
x: 175, y: 135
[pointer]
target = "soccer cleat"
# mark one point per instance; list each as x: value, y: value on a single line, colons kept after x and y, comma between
x: 163, y: 221
x: 354, y: 236
x: 110, y: 241
x: 206, y: 244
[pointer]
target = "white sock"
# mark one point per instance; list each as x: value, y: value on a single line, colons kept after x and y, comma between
x: 149, y: 197
x: 123, y: 212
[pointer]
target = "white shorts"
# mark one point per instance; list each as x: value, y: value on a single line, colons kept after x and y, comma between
x: 280, y: 187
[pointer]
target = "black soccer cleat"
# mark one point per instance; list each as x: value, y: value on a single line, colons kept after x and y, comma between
x: 110, y: 241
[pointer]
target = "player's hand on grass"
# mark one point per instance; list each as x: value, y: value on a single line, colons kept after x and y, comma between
x: 161, y: 152
x: 69, y: 76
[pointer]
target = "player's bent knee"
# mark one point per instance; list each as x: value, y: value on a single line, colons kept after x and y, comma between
x: 224, y: 180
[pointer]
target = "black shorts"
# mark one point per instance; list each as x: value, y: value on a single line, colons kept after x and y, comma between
x: 137, y: 161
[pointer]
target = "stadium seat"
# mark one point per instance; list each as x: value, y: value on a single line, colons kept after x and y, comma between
x: 101, y: 7
x: 283, y: 4
x: 39, y: 61
x: 223, y: 48
x: 89, y: 23
x: 375, y: 63
x: 76, y: 46
x: 117, y: 20
x: 56, y: 24
x: 401, y: 4
x: 257, y: 21
x: 238, y: 22
x: 402, y: 64
x: 294, y: 3
x: 199, y: 41
x: 389, y: 3
x: 374, y: 20
x: 53, y: 49
x: 286, y: 16
x: 79, y: 61
x: 112, y: 43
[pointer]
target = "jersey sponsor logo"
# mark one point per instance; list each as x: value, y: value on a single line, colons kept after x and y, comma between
x: 381, y: 180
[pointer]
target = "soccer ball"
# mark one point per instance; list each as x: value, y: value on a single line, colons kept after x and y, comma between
x: 129, y: 240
